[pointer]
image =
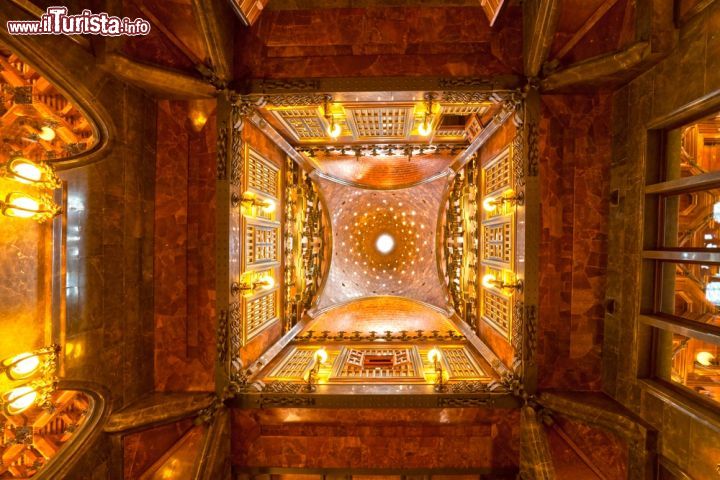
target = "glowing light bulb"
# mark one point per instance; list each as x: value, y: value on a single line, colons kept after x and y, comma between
x: 489, y: 204
x: 425, y: 128
x: 434, y: 355
x: 704, y: 358
x: 488, y: 280
x: 25, y: 171
x: 320, y: 356
x: 269, y: 206
x: 335, y: 130
x: 23, y: 366
x: 712, y: 293
x: 267, y: 282
x: 20, y: 399
x: 385, y: 243
x: 47, y: 134
x: 22, y: 206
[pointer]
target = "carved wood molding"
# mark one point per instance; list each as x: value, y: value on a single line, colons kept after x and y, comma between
x: 541, y: 17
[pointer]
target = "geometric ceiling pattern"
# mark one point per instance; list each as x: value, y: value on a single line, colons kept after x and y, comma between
x: 383, y: 242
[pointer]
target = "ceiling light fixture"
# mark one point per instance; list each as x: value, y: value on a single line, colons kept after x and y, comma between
x: 425, y: 127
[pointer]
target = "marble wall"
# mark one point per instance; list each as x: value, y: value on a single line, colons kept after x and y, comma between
x: 376, y: 438
x: 575, y: 158
x: 184, y: 253
x: 378, y: 41
x: 25, y: 267
x: 691, y: 71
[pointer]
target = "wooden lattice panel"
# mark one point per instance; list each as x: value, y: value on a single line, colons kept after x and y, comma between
x: 497, y: 175
x: 294, y: 365
x: 262, y: 175
x: 304, y: 123
x: 259, y: 313
x: 496, y: 310
x: 460, y: 364
x: 261, y: 244
x: 389, y: 122
x: 450, y: 132
x: 464, y: 110
x: 497, y: 243
x: 403, y: 365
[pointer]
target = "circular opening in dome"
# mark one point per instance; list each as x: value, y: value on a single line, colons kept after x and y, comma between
x: 385, y: 243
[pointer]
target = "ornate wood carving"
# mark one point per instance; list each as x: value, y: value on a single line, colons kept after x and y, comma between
x: 387, y: 336
x: 222, y: 151
x: 533, y: 149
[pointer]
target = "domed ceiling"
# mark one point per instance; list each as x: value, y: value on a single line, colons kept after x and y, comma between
x: 383, y: 242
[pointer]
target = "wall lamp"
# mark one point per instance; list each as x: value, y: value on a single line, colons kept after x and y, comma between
x: 33, y: 173
x: 37, y: 370
x: 319, y: 358
x: 489, y: 281
x: 22, y: 205
x: 249, y: 200
x: 265, y: 283
x: 425, y: 128
x: 491, y: 203
x: 334, y: 130
x: 435, y: 357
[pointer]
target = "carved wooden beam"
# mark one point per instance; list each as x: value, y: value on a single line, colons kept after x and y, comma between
x: 157, y: 409
x: 540, y: 17
x: 612, y: 69
x: 535, y: 457
x: 159, y: 81
x: 216, y: 25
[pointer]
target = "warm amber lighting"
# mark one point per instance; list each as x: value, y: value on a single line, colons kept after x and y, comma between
x: 490, y: 204
x: 27, y: 171
x: 335, y: 129
x: 704, y: 358
x: 268, y: 206
x: 21, y: 366
x: 434, y: 355
x: 266, y: 283
x: 250, y: 200
x: 425, y: 128
x: 320, y: 356
x: 489, y: 280
x: 22, y: 205
x: 47, y: 134
x: 20, y: 399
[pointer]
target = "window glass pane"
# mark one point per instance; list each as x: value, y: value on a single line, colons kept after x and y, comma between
x: 692, y: 291
x: 692, y: 220
x: 695, y: 148
x: 695, y: 364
